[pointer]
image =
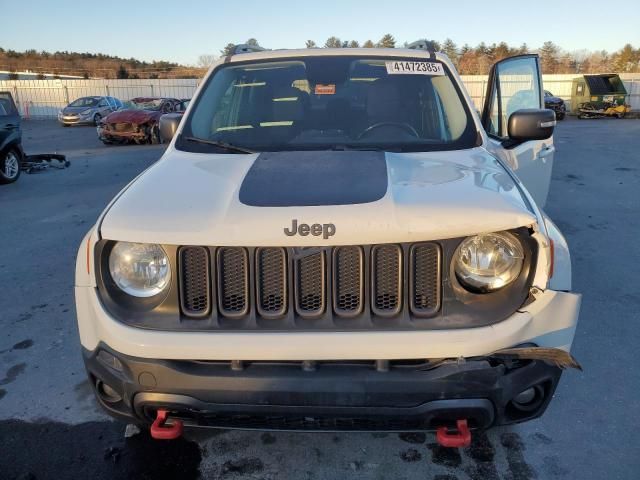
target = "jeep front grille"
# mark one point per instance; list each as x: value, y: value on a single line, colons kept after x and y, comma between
x: 356, y: 287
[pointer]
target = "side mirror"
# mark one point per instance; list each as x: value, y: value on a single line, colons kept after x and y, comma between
x: 169, y: 125
x: 531, y: 124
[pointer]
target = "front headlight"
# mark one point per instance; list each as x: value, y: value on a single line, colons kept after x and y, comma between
x: 487, y: 262
x: 139, y: 269
x: 86, y: 112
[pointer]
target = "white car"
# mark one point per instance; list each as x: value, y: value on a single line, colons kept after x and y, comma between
x: 335, y: 240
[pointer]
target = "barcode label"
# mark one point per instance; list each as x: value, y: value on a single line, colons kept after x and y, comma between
x: 414, y: 68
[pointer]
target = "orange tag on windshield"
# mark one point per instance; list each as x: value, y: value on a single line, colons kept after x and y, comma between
x: 325, y: 89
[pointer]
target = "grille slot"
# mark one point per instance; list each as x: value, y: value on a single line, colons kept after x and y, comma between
x: 310, y: 297
x: 195, y: 299
x: 348, y: 273
x: 424, y: 284
x: 233, y: 281
x: 386, y: 280
x: 271, y: 282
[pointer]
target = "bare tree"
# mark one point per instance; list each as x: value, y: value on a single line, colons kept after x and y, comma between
x: 206, y: 60
x: 310, y: 44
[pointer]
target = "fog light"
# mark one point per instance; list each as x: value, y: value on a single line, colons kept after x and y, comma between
x: 529, y: 400
x: 107, y: 393
x: 525, y: 396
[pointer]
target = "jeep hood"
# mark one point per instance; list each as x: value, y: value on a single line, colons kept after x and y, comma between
x: 133, y: 116
x: 370, y: 197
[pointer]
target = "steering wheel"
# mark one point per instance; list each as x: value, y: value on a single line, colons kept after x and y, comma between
x: 404, y: 126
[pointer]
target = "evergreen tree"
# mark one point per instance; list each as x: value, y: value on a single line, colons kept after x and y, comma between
x: 549, y: 57
x: 122, y: 73
x: 368, y: 44
x: 451, y: 50
x: 333, y: 42
x: 354, y: 44
x: 228, y: 50
x: 387, y: 41
x: 626, y: 60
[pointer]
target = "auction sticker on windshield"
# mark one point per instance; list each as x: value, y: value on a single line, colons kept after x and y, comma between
x: 414, y: 68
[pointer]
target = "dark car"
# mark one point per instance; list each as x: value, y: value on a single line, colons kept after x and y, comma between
x: 555, y: 103
x: 11, y: 154
x: 137, y: 121
x: 88, y: 110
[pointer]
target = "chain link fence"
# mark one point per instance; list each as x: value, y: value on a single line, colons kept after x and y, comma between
x: 44, y: 98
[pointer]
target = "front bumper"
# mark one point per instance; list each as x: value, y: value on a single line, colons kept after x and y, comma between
x: 549, y: 321
x: 111, y: 133
x: 354, y: 396
x: 557, y: 107
x: 74, y: 120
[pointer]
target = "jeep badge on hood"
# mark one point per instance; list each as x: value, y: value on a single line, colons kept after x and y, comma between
x: 326, y: 229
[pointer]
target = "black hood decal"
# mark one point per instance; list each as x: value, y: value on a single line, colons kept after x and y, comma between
x: 303, y: 179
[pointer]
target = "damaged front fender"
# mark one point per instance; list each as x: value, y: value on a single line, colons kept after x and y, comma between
x: 551, y: 356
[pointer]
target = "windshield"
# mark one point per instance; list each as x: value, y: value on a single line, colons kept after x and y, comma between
x: 85, y: 102
x: 144, y: 104
x: 332, y: 102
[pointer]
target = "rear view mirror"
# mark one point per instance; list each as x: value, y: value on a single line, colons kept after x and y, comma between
x: 169, y: 125
x: 531, y: 124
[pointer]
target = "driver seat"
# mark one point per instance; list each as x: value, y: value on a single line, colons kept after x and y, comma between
x: 384, y: 103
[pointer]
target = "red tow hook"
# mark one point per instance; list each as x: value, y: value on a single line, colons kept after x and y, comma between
x: 163, y: 431
x: 462, y: 438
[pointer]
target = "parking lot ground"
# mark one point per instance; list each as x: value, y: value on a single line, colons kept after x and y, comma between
x: 50, y: 427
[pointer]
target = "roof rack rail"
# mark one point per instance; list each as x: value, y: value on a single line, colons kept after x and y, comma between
x: 423, y: 44
x: 245, y: 48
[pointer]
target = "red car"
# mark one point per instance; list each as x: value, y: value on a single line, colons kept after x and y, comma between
x: 137, y: 122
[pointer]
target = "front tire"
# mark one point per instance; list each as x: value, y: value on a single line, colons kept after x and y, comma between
x: 10, y: 167
x: 96, y: 119
x: 560, y: 116
x: 154, y: 135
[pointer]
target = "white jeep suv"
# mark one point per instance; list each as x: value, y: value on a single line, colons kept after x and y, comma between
x: 335, y: 240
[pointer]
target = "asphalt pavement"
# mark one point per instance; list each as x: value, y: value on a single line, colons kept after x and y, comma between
x: 51, y: 427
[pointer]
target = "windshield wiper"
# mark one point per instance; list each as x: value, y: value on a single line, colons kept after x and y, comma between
x: 225, y: 146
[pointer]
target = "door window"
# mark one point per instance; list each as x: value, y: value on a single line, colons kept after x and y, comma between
x: 7, y: 107
x: 514, y: 84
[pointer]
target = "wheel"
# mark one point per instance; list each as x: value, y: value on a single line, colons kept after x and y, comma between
x: 10, y: 167
x: 559, y: 116
x: 96, y: 119
x: 66, y: 125
x: 154, y: 135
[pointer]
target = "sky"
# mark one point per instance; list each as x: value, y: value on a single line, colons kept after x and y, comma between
x: 181, y: 31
